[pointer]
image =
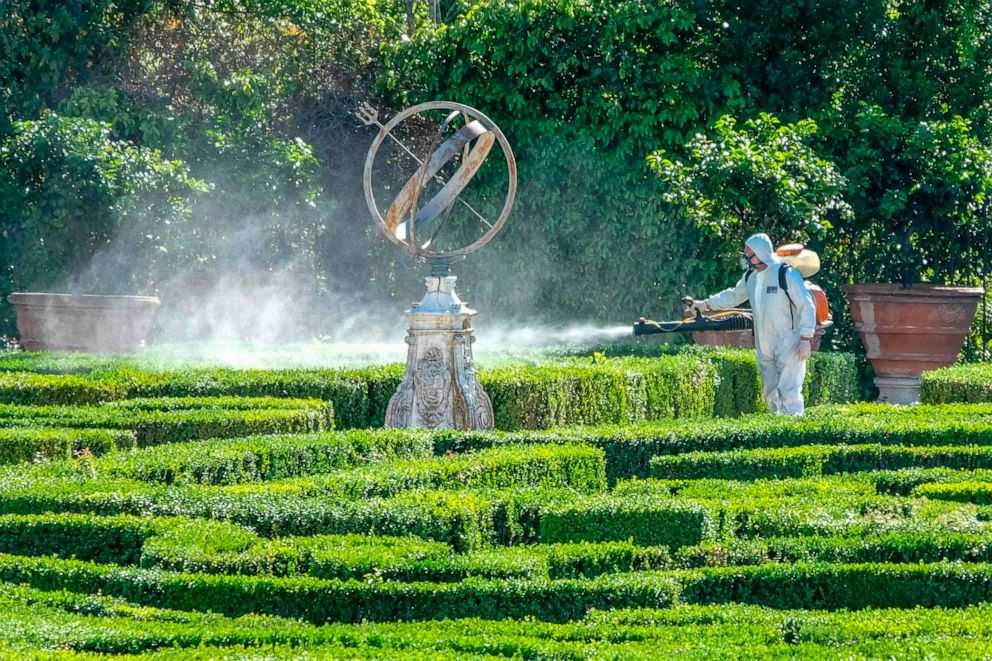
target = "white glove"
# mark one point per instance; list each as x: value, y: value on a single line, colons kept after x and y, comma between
x: 805, y: 349
x: 702, y: 306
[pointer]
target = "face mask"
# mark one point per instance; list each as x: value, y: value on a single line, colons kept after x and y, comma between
x: 745, y: 262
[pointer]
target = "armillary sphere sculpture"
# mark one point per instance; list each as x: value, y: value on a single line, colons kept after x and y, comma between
x: 440, y: 388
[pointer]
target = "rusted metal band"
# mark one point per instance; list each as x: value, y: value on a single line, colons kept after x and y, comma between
x: 400, y: 208
x: 449, y: 193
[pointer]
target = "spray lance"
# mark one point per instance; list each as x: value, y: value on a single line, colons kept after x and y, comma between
x: 726, y: 320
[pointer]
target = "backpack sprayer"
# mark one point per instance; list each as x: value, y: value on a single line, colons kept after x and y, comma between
x: 805, y: 261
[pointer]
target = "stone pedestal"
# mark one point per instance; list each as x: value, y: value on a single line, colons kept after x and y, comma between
x: 898, y: 389
x: 440, y: 389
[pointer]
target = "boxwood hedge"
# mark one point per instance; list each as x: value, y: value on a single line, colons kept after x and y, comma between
x: 557, y: 392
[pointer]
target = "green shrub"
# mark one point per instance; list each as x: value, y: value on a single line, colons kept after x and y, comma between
x: 44, y: 621
x: 560, y: 391
x: 578, y: 467
x: 738, y: 389
x: 838, y: 487
x: 347, y: 394
x: 588, y: 559
x: 262, y: 458
x: 155, y: 427
x: 833, y: 587
x: 965, y: 492
x: 903, y: 482
x: 958, y: 383
x: 198, y: 546
x: 560, y: 396
x: 320, y: 600
x: 17, y: 445
x: 802, y: 461
x: 107, y: 540
x: 46, y: 389
x: 629, y: 449
x: 225, y: 402
x: 832, y: 377
x: 380, y: 384
x: 815, y: 460
x: 806, y: 507
x: 464, y: 520
x: 866, y: 515
x: 910, y: 547
x: 645, y: 521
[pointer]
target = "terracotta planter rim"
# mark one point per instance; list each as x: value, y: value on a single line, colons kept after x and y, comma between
x: 48, y: 299
x: 919, y: 289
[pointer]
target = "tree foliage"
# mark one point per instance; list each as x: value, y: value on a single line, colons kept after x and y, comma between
x: 639, y: 78
x: 59, y: 170
x: 253, y: 97
x: 763, y: 175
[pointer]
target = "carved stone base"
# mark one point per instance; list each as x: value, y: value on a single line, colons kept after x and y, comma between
x: 440, y: 389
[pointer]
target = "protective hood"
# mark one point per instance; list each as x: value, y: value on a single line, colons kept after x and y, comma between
x: 762, y: 247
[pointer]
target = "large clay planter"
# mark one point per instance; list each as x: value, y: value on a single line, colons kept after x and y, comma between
x: 64, y: 322
x: 906, y: 331
x: 741, y: 338
x: 736, y: 338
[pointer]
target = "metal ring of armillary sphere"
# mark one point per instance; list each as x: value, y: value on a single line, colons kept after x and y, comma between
x: 405, y: 220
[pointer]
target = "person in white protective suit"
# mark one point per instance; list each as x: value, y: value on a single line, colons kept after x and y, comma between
x: 784, y: 322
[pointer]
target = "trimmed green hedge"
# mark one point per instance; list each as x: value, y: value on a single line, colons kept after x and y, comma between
x: 808, y: 507
x: 816, y: 460
x: 345, y: 390
x: 198, y: 546
x: 41, y: 623
x: 629, y: 449
x: 910, y: 547
x: 609, y: 392
x: 833, y: 587
x: 319, y: 600
x: 47, y: 625
x: 558, y: 392
x: 578, y: 467
x: 21, y: 445
x: 46, y: 390
x: 800, y: 586
x: 463, y: 520
x: 903, y: 482
x: 965, y: 492
x: 959, y: 383
x: 263, y: 458
x: 834, y: 487
x: 644, y: 520
x: 176, y: 424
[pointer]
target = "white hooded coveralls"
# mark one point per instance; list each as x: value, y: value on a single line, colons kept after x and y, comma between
x: 777, y: 325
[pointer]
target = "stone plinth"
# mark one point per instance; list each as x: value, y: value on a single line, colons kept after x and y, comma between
x: 440, y: 389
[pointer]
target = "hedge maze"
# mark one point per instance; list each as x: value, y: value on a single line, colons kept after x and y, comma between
x: 626, y: 507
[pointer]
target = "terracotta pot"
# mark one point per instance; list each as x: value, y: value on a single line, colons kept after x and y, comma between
x: 741, y: 338
x: 734, y: 338
x: 64, y: 322
x: 906, y: 331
